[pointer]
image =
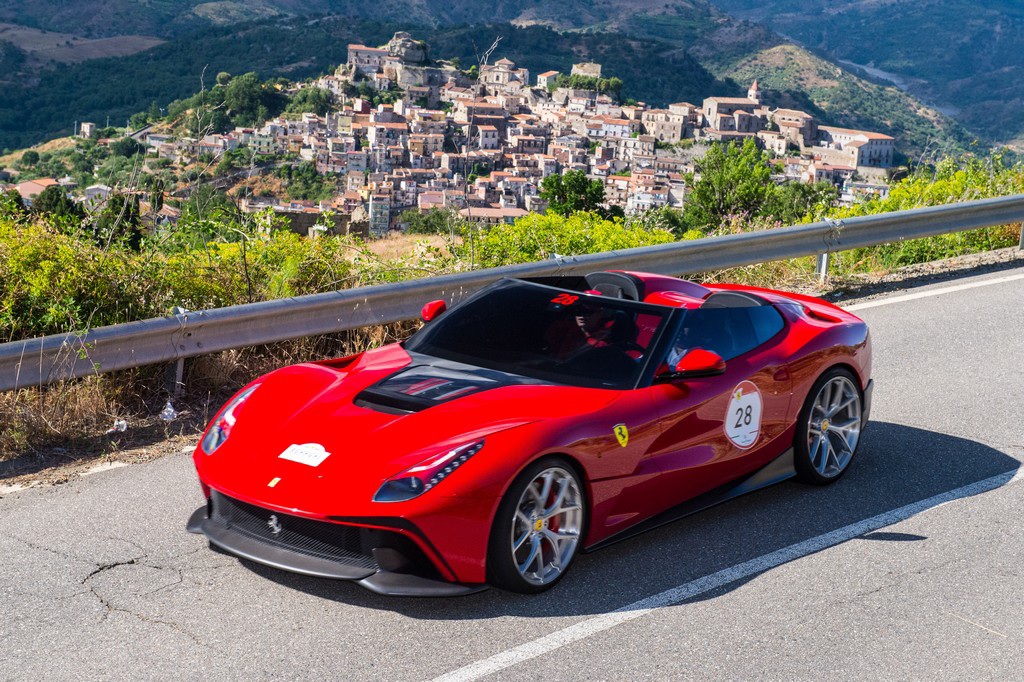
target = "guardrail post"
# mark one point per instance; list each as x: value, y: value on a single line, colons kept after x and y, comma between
x: 1022, y: 236
x: 821, y: 266
x: 175, y: 377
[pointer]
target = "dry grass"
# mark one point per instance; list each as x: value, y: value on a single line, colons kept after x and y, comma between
x: 64, y: 48
x: 402, y: 246
x: 796, y: 274
x: 72, y: 420
x: 51, y: 145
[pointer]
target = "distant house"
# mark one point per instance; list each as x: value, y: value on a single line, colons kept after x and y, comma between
x: 97, y: 195
x: 857, y: 147
x: 547, y: 78
x: 30, y: 189
x: 363, y: 60
x: 664, y: 124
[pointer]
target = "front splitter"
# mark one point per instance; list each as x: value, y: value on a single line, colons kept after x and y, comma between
x: 376, y: 580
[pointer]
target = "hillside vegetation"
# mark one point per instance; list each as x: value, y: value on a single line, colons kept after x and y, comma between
x: 121, y: 87
x: 962, y: 55
x: 664, y: 52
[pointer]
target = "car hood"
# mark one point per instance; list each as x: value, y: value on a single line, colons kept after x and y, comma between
x: 344, y: 427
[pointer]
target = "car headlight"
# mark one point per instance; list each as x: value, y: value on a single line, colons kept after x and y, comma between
x: 418, y: 479
x: 220, y: 427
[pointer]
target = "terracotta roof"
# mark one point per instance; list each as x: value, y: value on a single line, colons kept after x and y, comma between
x: 849, y: 131
x: 494, y: 212
x: 731, y: 100
x: 792, y: 112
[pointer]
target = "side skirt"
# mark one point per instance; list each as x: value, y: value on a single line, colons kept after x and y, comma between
x: 779, y: 469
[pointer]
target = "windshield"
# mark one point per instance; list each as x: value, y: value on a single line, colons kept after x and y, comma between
x: 547, y: 333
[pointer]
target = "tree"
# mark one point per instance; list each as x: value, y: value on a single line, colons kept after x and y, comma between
x: 434, y: 221
x: 794, y: 201
x: 730, y: 180
x: 126, y: 147
x: 118, y: 222
x: 206, y: 203
x: 54, y: 201
x: 30, y: 158
x: 11, y: 204
x: 249, y: 101
x: 310, y: 100
x: 242, y: 97
x: 572, y: 192
x: 661, y: 218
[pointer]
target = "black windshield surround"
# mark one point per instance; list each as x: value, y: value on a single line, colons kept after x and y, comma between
x: 548, y: 333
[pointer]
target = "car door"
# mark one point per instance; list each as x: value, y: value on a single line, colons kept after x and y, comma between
x: 718, y: 428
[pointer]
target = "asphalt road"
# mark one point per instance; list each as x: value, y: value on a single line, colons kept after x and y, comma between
x: 909, y: 568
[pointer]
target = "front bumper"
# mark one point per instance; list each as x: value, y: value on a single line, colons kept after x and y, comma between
x: 384, y: 561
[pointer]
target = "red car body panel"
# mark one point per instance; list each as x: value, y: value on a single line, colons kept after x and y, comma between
x: 677, y: 446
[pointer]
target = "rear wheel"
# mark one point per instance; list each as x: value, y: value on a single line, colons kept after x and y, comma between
x: 537, y: 529
x: 828, y: 430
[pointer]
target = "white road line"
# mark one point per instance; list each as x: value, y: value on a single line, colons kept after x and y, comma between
x: 591, y: 626
x: 932, y: 292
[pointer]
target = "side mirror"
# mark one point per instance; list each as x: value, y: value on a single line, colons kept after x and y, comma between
x: 433, y: 310
x: 699, y: 363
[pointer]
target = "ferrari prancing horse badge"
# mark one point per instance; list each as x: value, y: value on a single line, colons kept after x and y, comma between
x: 622, y: 434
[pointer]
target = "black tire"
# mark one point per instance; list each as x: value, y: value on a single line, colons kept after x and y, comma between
x: 826, y: 442
x: 553, y: 537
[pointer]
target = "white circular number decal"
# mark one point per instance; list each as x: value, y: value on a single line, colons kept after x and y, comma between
x: 743, y: 420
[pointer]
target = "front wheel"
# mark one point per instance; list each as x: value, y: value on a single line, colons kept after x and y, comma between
x: 537, y: 529
x: 828, y: 430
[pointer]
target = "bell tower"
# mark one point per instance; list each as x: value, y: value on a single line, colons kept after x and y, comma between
x: 754, y: 93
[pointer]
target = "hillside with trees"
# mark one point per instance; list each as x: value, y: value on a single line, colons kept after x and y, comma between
x: 965, y: 57
x: 663, y: 52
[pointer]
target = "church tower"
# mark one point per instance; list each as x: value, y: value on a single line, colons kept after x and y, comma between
x: 754, y: 93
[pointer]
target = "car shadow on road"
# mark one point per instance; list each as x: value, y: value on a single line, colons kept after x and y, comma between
x: 896, y: 465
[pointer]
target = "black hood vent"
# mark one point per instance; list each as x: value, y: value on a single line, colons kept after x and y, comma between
x: 429, y: 382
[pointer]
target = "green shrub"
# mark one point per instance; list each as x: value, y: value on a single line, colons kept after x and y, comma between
x: 536, y: 237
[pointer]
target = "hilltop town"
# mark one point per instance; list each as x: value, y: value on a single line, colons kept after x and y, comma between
x: 481, y: 141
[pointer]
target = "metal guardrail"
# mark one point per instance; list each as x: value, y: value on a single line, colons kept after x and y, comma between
x: 39, y: 361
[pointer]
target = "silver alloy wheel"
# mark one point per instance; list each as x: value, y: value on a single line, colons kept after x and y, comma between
x: 833, y: 426
x: 547, y: 525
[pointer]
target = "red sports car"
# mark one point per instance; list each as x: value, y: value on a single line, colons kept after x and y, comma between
x: 534, y: 420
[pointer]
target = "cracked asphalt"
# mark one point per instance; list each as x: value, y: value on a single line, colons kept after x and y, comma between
x: 99, y: 579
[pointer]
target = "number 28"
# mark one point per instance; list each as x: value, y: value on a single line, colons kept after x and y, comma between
x: 743, y: 416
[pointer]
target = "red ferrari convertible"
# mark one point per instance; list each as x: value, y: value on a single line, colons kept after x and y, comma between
x: 534, y: 420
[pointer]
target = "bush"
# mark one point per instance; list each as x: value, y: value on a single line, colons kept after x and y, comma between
x: 536, y: 237
x: 950, y: 182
